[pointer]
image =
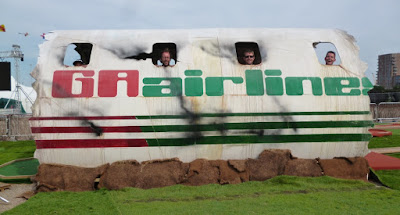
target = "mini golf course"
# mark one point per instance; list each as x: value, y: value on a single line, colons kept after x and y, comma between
x: 19, y: 169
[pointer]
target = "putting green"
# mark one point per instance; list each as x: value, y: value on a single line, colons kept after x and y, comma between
x: 23, y: 167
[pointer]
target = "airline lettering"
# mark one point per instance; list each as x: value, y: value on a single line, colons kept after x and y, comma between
x: 257, y: 84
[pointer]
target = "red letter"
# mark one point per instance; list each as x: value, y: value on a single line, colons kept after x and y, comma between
x: 108, y: 80
x: 62, y: 84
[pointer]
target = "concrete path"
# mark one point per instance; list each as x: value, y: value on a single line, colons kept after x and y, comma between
x: 386, y: 150
x: 13, y: 195
x: 390, y: 126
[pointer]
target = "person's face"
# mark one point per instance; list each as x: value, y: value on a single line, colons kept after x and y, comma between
x: 165, y: 58
x: 249, y: 58
x: 330, y: 58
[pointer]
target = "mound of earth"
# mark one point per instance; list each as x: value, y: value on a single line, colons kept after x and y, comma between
x: 161, y: 173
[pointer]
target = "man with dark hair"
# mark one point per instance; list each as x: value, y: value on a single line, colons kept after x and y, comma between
x: 330, y: 58
x: 248, y: 57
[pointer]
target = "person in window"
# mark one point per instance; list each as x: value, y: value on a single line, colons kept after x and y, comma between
x: 248, y: 57
x: 165, y: 59
x: 330, y: 58
x: 79, y: 63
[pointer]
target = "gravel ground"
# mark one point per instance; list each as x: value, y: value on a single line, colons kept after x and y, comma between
x: 12, y: 194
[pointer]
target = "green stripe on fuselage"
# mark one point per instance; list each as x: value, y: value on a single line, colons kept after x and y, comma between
x: 199, y: 115
x: 259, y: 139
x: 255, y: 125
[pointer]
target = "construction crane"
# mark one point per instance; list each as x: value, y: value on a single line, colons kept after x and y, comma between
x: 17, y: 54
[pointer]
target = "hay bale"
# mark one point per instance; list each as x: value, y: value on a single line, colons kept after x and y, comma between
x: 201, y: 172
x: 148, y: 174
x: 239, y: 165
x: 49, y: 178
x: 228, y: 174
x: 53, y: 177
x: 161, y: 173
x: 270, y: 163
x: 120, y: 174
x: 347, y: 168
x: 303, y: 167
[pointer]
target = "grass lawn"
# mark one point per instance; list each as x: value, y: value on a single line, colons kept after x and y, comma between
x: 387, y: 141
x: 13, y: 150
x: 280, y: 195
x: 390, y: 178
x: 396, y: 155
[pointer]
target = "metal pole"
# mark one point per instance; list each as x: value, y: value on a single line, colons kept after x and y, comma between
x: 5, y: 200
x: 17, y: 52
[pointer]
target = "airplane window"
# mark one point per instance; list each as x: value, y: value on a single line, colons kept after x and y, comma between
x: 248, y: 53
x: 327, y: 53
x: 164, y: 54
x: 78, y: 54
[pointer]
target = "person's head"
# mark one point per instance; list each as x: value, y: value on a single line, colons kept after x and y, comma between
x: 330, y: 58
x: 248, y: 56
x: 78, y: 63
x: 165, y: 57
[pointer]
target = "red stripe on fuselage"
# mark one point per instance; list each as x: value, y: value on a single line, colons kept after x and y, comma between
x: 116, y: 129
x: 82, y: 117
x: 87, y: 143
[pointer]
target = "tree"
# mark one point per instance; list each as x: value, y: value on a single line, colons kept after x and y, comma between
x: 377, y: 89
x: 396, y: 88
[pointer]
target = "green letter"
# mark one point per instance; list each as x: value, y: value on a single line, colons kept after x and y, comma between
x: 274, y: 85
x: 254, y: 83
x: 193, y: 86
x: 155, y: 90
x: 367, y: 85
x: 215, y: 85
x: 334, y: 86
x: 294, y: 85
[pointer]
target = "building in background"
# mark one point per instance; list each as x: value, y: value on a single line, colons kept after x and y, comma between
x: 389, y: 70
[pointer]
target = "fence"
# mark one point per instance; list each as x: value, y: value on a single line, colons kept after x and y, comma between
x: 15, y: 127
x: 384, y: 97
x: 385, y: 111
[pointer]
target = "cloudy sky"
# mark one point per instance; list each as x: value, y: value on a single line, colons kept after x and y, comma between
x: 374, y: 23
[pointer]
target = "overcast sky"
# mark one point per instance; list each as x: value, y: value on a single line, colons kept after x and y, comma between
x: 374, y: 24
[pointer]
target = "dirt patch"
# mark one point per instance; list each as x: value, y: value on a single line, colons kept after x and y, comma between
x: 347, y: 168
